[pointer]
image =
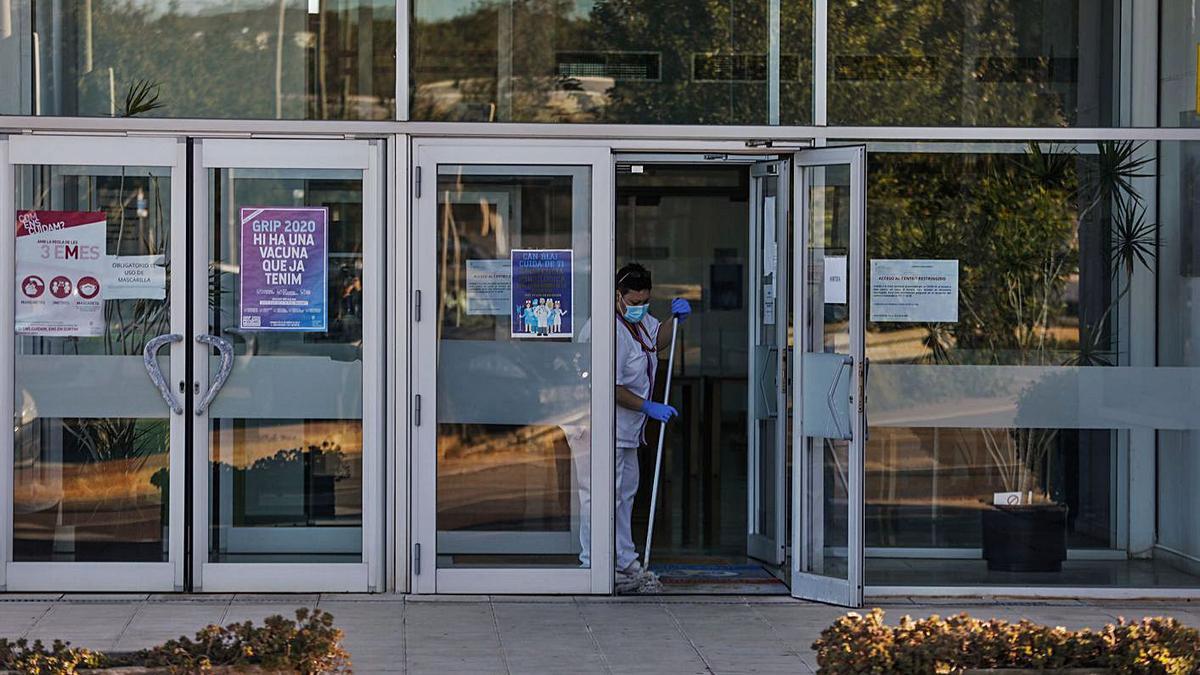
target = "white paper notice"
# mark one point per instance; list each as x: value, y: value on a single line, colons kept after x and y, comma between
x: 489, y: 286
x: 920, y: 291
x: 835, y: 280
x: 60, y: 263
x: 135, y: 276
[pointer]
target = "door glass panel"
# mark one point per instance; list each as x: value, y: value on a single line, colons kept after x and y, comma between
x: 286, y: 452
x: 826, y: 450
x: 770, y: 316
x: 90, y: 474
x: 514, y: 394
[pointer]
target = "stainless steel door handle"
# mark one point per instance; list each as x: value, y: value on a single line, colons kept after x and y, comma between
x: 837, y: 377
x: 150, y: 358
x: 225, y: 347
x: 762, y: 382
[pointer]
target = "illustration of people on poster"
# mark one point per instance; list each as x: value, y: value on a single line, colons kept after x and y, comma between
x: 542, y: 293
x: 284, y: 270
x: 60, y: 261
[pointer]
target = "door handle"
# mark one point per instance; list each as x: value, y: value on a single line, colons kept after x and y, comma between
x: 762, y: 382
x: 862, y: 397
x: 150, y: 359
x: 225, y: 347
x: 837, y: 377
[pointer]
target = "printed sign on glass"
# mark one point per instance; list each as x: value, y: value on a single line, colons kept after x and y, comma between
x: 284, y: 273
x: 920, y: 291
x: 60, y: 262
x: 542, y: 293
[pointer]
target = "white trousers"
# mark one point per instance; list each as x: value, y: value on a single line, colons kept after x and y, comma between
x: 627, y: 486
x: 628, y: 474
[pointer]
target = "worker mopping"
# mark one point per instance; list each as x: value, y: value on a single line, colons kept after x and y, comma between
x: 640, y: 341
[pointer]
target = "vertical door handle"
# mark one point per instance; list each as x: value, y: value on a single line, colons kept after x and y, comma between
x: 226, y: 349
x: 837, y: 377
x: 150, y: 358
x: 762, y: 382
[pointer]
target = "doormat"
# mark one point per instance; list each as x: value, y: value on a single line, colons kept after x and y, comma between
x: 718, y: 579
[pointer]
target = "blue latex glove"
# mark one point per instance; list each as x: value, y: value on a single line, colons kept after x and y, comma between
x: 660, y: 412
x: 680, y: 308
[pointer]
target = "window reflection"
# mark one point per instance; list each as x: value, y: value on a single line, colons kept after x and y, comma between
x: 272, y: 59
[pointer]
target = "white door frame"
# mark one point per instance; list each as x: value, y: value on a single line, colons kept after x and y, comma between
x: 831, y: 589
x: 428, y: 154
x: 110, y: 151
x: 367, y: 575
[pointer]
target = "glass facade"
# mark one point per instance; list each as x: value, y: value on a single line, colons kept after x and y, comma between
x: 1064, y: 385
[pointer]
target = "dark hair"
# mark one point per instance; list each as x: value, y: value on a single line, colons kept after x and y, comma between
x: 633, y: 277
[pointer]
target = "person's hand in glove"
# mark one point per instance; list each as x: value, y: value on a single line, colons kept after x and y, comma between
x: 660, y: 412
x: 680, y: 308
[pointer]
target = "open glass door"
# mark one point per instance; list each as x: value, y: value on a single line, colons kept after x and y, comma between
x: 770, y: 199
x: 829, y: 428
x: 93, y: 310
x: 513, y: 266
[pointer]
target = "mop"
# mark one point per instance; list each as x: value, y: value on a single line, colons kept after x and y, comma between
x: 650, y: 583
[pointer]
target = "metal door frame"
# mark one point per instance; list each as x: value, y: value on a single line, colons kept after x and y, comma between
x: 425, y: 577
x: 368, y: 574
x: 114, y: 151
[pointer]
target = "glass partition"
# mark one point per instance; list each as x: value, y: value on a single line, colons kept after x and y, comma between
x: 1012, y: 427
x: 260, y: 59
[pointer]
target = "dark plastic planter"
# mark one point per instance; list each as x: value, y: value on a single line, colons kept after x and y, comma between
x: 1029, y: 538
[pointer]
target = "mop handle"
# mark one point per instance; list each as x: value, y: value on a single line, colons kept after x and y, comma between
x: 662, y: 434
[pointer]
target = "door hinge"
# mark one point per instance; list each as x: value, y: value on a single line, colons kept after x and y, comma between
x: 417, y: 410
x: 416, y: 559
x: 417, y: 181
x: 417, y: 305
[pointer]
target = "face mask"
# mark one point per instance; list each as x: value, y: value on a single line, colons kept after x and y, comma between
x: 635, y: 313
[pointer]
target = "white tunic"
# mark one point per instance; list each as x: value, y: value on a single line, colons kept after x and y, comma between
x: 634, y: 365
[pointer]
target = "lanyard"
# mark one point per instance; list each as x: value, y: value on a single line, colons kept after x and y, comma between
x: 638, y: 332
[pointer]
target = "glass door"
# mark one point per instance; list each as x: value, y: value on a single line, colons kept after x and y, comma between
x: 830, y: 430
x: 287, y: 336
x: 770, y: 200
x: 94, y: 312
x: 513, y: 262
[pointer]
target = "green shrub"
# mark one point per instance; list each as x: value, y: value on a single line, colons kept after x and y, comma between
x: 865, y: 644
x: 310, y: 644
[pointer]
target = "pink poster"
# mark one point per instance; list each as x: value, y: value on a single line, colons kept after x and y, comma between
x: 60, y: 262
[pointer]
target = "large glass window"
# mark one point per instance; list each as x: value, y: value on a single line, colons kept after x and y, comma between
x: 1013, y: 444
x: 269, y: 59
x: 973, y: 63
x: 624, y: 61
x: 1180, y: 33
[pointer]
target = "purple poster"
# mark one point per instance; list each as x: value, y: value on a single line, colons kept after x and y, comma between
x: 542, y: 293
x: 284, y: 271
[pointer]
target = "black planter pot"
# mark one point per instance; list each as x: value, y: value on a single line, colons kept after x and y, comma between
x: 1029, y: 538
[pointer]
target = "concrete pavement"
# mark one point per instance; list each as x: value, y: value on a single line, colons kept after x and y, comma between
x: 513, y: 634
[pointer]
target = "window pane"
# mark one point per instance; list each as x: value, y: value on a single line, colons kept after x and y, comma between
x: 277, y: 59
x: 627, y: 61
x: 90, y: 470
x: 1003, y: 63
x: 514, y: 394
x: 1180, y: 33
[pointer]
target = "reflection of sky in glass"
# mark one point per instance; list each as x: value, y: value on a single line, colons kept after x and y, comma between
x: 440, y: 10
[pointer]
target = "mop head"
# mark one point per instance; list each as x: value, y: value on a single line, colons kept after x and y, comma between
x: 638, y: 581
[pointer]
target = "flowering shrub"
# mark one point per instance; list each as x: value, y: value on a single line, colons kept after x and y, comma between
x: 310, y: 644
x: 865, y: 644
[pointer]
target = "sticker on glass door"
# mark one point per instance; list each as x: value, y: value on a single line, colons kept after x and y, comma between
x: 283, y: 271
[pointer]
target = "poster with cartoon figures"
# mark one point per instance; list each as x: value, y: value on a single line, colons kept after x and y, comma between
x: 60, y: 262
x: 542, y: 293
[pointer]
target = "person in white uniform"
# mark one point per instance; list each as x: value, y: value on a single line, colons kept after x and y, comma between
x: 640, y: 340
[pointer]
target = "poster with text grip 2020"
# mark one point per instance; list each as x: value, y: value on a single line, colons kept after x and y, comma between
x: 542, y: 293
x: 284, y: 269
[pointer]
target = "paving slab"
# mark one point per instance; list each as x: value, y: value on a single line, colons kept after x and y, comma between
x: 92, y: 625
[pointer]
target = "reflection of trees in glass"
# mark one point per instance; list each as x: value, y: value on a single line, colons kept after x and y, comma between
x: 972, y: 62
x: 265, y: 59
x: 309, y: 472
x: 1047, y: 243
x: 621, y: 61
